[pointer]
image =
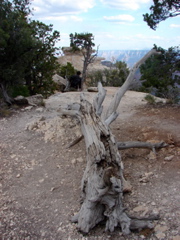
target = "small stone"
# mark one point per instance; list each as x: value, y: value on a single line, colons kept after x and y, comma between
x: 43, y: 233
x: 153, y: 203
x: 39, y: 109
x: 152, y: 156
x: 18, y: 175
x: 156, y: 211
x: 41, y: 180
x: 140, y: 209
x: 176, y: 237
x: 169, y: 158
x: 144, y: 180
x: 142, y: 236
x: 159, y: 231
x: 73, y: 161
x: 20, y: 100
x: 149, y: 174
x: 28, y: 108
x: 92, y: 89
x: 80, y: 159
x: 127, y: 187
x: 160, y: 235
x: 160, y: 228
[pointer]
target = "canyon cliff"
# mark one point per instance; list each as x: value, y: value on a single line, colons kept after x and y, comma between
x: 76, y: 59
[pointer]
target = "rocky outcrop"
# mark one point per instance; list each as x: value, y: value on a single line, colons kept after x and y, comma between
x: 59, y: 80
x: 35, y: 100
x: 76, y: 59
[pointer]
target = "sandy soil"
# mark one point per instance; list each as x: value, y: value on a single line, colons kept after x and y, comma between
x: 40, y: 178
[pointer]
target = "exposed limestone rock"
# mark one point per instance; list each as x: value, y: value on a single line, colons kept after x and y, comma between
x: 35, y: 100
x: 169, y: 158
x: 141, y: 208
x: 76, y: 59
x: 28, y: 108
x: 160, y: 231
x: 92, y: 89
x: 146, y: 177
x: 152, y: 156
x: 54, y: 129
x: 59, y: 80
x: 20, y: 100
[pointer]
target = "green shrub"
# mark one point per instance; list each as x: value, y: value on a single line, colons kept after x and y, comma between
x: 150, y: 99
x: 4, y: 111
x: 157, y: 73
x: 67, y: 70
x: 20, y: 90
x: 94, y: 78
x: 172, y: 95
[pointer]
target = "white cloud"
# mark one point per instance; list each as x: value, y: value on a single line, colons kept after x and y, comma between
x: 128, y: 41
x: 62, y: 18
x: 175, y: 25
x: 62, y: 7
x: 76, y: 19
x: 120, y: 18
x: 142, y: 36
x: 125, y: 4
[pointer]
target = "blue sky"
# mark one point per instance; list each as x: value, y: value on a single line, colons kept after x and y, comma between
x: 115, y: 24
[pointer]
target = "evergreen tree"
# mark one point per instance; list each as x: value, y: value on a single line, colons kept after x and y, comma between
x: 114, y: 76
x: 26, y: 50
x: 158, y: 70
x: 84, y: 42
x: 160, y: 11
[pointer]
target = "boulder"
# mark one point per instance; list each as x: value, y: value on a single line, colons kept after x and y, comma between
x: 20, y: 100
x: 35, y: 100
x: 59, y: 80
x: 92, y: 89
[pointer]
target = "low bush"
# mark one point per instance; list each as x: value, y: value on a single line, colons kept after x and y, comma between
x: 150, y: 99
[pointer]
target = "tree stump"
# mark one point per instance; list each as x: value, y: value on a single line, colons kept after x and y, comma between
x: 102, y: 182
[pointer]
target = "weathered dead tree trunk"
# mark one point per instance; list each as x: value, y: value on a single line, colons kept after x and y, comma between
x: 102, y: 182
x: 5, y: 95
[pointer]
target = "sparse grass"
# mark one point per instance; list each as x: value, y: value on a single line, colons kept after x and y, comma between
x: 150, y: 99
x: 5, y: 112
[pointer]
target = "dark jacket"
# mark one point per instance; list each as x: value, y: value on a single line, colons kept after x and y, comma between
x: 75, y: 81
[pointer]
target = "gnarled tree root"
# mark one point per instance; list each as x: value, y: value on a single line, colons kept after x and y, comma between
x: 134, y: 223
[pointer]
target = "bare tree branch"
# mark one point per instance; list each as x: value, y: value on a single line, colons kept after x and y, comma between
x: 136, y: 144
x: 127, y: 84
x: 97, y: 103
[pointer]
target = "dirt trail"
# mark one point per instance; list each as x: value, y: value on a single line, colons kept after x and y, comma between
x: 40, y: 178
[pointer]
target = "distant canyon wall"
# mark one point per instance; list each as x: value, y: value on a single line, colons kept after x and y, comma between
x: 128, y: 56
x: 76, y: 58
